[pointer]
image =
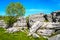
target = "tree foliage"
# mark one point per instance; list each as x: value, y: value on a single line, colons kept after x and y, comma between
x: 13, y: 11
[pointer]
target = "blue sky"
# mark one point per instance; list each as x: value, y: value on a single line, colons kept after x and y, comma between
x: 33, y: 6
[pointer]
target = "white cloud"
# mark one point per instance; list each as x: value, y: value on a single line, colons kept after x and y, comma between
x: 38, y: 10
x: 35, y: 11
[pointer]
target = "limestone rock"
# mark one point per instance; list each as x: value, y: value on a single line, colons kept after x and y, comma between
x: 45, y: 32
x: 34, y: 28
x: 13, y: 29
x: 57, y: 37
x: 56, y: 16
x: 36, y: 17
x: 51, y: 25
x: 21, y: 22
x: 58, y: 31
x: 49, y: 17
x: 36, y: 25
x: 2, y: 24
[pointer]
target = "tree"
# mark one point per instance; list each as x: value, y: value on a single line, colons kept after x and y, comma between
x: 27, y: 18
x: 13, y: 11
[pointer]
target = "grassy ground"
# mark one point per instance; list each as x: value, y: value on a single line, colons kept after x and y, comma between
x: 16, y: 36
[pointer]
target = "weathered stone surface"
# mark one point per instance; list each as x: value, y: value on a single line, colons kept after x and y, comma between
x: 34, y: 28
x: 58, y: 31
x: 11, y: 30
x: 2, y: 24
x: 36, y: 17
x: 21, y: 22
x: 47, y: 25
x: 56, y: 16
x: 58, y: 19
x: 14, y: 29
x: 57, y: 37
x: 36, y: 25
x: 49, y: 17
x: 51, y: 25
x: 45, y: 32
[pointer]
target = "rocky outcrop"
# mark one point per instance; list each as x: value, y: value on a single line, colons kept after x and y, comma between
x: 38, y: 25
x: 2, y: 24
x: 14, y: 29
x: 49, y: 17
x: 34, y: 28
x: 56, y: 37
x: 21, y: 22
x: 45, y: 32
x: 18, y: 26
x: 51, y: 25
x: 56, y: 16
x: 44, y: 28
x: 36, y: 17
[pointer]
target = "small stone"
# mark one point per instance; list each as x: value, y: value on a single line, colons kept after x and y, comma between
x: 35, y: 35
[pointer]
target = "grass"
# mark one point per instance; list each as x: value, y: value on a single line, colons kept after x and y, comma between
x: 16, y: 36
